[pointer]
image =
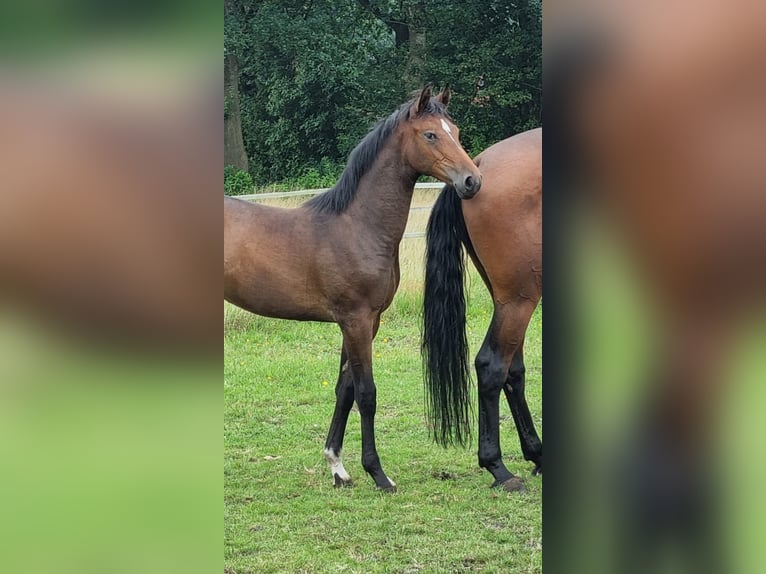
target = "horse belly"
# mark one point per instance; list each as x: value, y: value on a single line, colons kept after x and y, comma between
x: 272, y: 293
x: 271, y: 275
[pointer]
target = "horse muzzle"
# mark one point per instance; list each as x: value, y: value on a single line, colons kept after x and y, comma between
x: 468, y: 186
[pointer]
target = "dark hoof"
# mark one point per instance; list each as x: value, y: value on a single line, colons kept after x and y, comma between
x: 390, y: 487
x: 387, y: 489
x: 513, y: 484
x: 340, y: 483
x: 538, y: 470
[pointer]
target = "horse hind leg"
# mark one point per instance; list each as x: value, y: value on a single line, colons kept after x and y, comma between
x: 515, y: 384
x: 492, y: 366
x: 344, y: 400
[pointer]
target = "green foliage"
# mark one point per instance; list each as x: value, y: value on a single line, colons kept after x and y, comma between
x: 494, y: 66
x: 236, y: 181
x: 306, y: 85
x: 316, y: 76
x: 324, y: 175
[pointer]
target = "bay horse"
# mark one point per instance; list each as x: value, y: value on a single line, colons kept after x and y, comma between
x: 336, y: 257
x: 501, y: 229
x: 667, y: 118
x: 106, y: 233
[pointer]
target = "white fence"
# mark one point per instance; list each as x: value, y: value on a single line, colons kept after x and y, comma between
x: 308, y: 192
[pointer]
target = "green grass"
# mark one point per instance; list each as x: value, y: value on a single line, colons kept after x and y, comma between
x: 619, y: 329
x: 281, y: 512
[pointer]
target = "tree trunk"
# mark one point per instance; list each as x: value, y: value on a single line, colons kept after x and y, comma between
x: 416, y: 57
x: 409, y: 27
x: 234, y: 146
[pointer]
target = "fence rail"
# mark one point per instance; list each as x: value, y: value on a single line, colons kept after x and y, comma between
x: 307, y: 192
x: 303, y: 192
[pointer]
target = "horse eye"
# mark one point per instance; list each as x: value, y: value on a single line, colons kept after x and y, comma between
x: 430, y: 136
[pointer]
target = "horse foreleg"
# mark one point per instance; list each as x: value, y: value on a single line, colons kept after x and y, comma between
x: 358, y: 332
x: 344, y: 400
x: 514, y: 388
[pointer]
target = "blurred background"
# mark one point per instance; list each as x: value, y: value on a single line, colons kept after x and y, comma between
x: 110, y: 409
x: 655, y: 246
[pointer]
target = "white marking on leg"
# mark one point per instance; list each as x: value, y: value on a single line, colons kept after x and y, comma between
x: 336, y: 464
x: 448, y: 130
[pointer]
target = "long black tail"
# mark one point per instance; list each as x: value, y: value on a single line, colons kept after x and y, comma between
x: 444, y: 344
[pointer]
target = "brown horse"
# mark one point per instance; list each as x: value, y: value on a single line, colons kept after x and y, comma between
x: 105, y: 213
x: 336, y: 257
x: 502, y: 231
x: 667, y: 118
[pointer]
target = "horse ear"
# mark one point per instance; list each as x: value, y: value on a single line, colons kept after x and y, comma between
x: 421, y: 102
x: 444, y: 96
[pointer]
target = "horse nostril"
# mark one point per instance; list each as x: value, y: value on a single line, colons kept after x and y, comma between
x: 469, y: 183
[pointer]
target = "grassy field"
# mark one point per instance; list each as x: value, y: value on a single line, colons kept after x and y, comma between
x: 281, y: 512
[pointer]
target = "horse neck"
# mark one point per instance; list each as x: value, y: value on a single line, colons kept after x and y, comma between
x: 384, y: 194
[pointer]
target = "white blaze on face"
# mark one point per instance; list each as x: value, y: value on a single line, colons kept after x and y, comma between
x: 336, y: 464
x: 448, y: 130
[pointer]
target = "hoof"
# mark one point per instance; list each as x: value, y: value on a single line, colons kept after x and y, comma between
x: 538, y: 471
x: 390, y: 487
x: 340, y: 483
x: 513, y: 484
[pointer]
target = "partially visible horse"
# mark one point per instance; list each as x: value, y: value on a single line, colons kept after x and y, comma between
x: 501, y: 230
x: 666, y: 118
x: 336, y: 257
x: 108, y: 228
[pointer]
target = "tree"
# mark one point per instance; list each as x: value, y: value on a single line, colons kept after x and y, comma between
x: 312, y: 76
x: 408, y: 22
x: 494, y: 64
x: 233, y: 143
x: 315, y: 77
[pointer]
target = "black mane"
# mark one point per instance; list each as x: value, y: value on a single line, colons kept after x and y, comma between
x: 339, y: 197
